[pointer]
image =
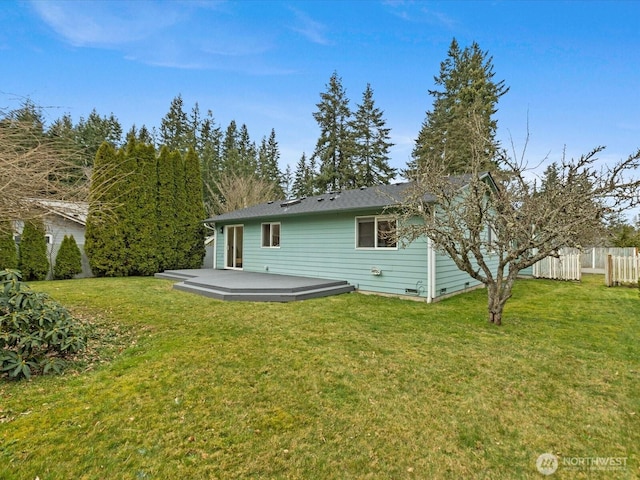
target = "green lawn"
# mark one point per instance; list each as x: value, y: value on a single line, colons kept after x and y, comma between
x: 353, y: 386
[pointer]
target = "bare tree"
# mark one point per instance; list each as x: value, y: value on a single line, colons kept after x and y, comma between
x: 241, y: 191
x: 33, y: 165
x: 494, y: 227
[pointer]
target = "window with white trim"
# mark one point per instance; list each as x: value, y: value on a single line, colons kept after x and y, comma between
x: 375, y: 232
x: 271, y: 235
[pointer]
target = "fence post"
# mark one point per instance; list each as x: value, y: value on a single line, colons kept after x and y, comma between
x: 608, y: 271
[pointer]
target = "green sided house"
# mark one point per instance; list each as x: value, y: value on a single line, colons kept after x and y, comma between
x: 339, y: 236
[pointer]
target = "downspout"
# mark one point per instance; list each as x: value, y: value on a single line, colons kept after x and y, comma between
x: 431, y: 271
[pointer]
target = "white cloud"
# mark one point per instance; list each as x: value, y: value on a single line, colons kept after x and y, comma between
x: 190, y: 35
x: 306, y: 26
x: 415, y: 12
x: 106, y: 24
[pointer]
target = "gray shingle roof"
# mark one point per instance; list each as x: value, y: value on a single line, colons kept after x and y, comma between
x: 359, y: 199
x: 369, y: 198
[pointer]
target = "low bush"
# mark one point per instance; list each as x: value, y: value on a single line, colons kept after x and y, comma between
x: 34, y: 263
x: 37, y: 334
x: 69, y: 260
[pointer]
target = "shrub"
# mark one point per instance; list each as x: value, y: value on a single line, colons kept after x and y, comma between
x: 8, y: 250
x: 68, y: 259
x: 34, y: 263
x: 37, y: 334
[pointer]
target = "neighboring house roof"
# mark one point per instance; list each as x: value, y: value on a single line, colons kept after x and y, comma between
x: 74, y: 211
x: 366, y: 198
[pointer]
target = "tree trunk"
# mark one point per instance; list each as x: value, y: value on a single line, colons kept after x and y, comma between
x: 495, y: 316
x: 496, y: 305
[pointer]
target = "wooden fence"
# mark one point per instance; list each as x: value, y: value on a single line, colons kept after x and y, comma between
x: 567, y: 267
x: 619, y: 270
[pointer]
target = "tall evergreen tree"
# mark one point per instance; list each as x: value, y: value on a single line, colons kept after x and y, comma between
x: 231, y: 161
x: 180, y: 198
x: 104, y: 239
x: 8, y: 249
x: 175, y: 128
x: 145, y: 136
x: 287, y: 182
x: 34, y: 263
x: 463, y: 107
x: 167, y: 215
x: 139, y: 221
x: 303, y: 180
x: 193, y: 233
x: 210, y: 159
x: 91, y: 132
x: 268, y: 158
x: 247, y: 152
x: 334, y: 148
x: 372, y: 143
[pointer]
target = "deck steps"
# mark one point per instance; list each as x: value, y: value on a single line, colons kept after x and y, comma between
x: 252, y: 286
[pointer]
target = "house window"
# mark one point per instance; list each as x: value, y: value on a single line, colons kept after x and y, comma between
x: 270, y: 235
x: 375, y: 232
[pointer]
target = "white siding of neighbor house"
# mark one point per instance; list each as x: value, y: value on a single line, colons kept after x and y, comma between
x: 57, y: 227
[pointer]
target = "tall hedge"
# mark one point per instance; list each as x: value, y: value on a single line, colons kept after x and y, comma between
x: 166, y: 214
x: 148, y: 216
x: 180, y: 196
x: 139, y: 209
x: 8, y: 249
x: 104, y: 240
x: 194, y: 213
x: 68, y: 260
x: 34, y: 263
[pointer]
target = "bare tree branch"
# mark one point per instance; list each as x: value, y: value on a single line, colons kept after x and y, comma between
x: 495, y: 226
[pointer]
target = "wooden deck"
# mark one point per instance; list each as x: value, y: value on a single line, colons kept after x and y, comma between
x: 237, y: 285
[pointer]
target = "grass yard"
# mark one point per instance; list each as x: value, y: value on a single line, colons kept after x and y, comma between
x: 345, y: 387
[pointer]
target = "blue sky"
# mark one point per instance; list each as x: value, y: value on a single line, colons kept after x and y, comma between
x: 573, y: 68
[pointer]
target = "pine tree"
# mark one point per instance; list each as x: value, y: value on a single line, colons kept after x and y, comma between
x: 372, y: 144
x: 304, y: 177
x: 334, y: 148
x: 175, y: 128
x: 231, y: 162
x: 247, y: 152
x: 91, y: 132
x: 34, y: 263
x: 287, y: 182
x: 68, y: 260
x: 268, y: 158
x: 8, y: 249
x: 463, y: 108
x: 210, y: 154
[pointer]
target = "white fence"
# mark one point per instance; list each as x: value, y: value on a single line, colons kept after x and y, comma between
x: 619, y: 270
x: 567, y: 267
x: 596, y: 257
